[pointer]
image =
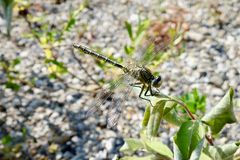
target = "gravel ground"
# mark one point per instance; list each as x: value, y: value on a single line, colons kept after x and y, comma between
x: 53, y: 111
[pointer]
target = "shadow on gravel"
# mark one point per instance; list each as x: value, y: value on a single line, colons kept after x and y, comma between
x: 39, y: 126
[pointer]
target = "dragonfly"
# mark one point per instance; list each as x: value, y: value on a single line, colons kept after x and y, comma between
x: 145, y: 78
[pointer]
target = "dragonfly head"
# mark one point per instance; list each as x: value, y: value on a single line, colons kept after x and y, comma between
x: 157, y: 82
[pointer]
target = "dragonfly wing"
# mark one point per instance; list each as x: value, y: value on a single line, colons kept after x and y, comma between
x: 104, y: 95
x: 152, y: 49
x: 113, y: 116
x: 115, y: 111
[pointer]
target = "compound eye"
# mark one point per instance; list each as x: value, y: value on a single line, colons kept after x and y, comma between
x: 157, y: 82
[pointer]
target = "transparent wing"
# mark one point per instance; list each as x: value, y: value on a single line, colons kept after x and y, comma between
x: 115, y: 111
x: 152, y: 49
x: 104, y: 95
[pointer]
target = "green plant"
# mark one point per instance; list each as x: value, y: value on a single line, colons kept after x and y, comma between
x: 135, y: 37
x: 193, y: 139
x: 7, y: 8
x: 151, y: 38
x: 195, y: 101
x: 50, y: 37
x: 13, y: 146
x: 12, y: 80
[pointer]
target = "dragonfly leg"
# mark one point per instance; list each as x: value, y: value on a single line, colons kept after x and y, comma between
x: 145, y: 94
x: 137, y: 84
x: 140, y: 94
x: 149, y: 88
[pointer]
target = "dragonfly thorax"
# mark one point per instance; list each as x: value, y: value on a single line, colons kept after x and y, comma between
x: 143, y: 74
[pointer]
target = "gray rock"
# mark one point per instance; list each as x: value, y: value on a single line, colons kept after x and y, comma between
x: 109, y: 144
x: 216, y: 92
x: 36, y: 103
x: 195, y: 36
x: 68, y: 155
x: 75, y: 139
x: 59, y: 156
x: 79, y: 156
x: 232, y: 52
x: 101, y: 155
x: 217, y: 80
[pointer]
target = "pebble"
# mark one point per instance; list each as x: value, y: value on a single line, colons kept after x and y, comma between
x: 195, y: 36
x: 101, y: 155
x: 108, y: 144
x: 217, y: 80
x: 232, y: 52
x: 35, y: 103
x: 75, y: 139
x: 216, y: 92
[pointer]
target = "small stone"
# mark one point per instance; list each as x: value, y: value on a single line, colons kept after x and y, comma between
x: 101, y: 155
x: 232, y: 52
x: 216, y: 80
x: 16, y: 102
x: 109, y: 144
x: 192, y: 62
x: 77, y: 157
x: 74, y: 97
x: 217, y: 92
x: 59, y: 156
x: 75, y: 139
x: 53, y: 148
x: 68, y: 155
x: 195, y: 36
x: 36, y: 103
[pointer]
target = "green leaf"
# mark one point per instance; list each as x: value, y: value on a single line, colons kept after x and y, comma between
x: 169, y: 105
x: 177, y: 152
x: 146, y: 116
x: 24, y: 132
x: 204, y: 156
x: 60, y: 65
x: 221, y: 114
x: 7, y: 7
x: 52, y: 76
x: 12, y: 85
x: 129, y: 50
x: 157, y: 146
x: 194, y: 101
x: 138, y: 39
x: 149, y: 157
x: 142, y: 26
x: 187, y: 139
x: 131, y: 145
x: 197, y: 151
x: 70, y: 24
x: 149, y: 53
x: 223, y: 152
x: 15, y: 62
x: 170, y: 114
x: 155, y: 118
x: 6, y: 139
x: 128, y: 26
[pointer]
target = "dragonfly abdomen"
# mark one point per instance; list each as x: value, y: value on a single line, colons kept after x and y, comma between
x: 86, y: 50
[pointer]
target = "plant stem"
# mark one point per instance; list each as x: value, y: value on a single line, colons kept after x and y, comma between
x: 170, y: 98
x: 183, y: 105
